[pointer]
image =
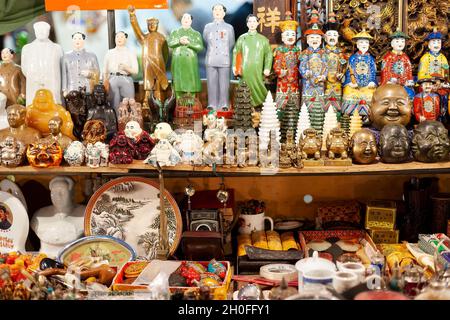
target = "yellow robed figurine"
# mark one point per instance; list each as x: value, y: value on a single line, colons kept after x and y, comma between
x: 433, y: 62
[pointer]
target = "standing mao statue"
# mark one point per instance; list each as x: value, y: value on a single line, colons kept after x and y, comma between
x: 186, y: 44
x: 434, y: 61
x: 252, y: 60
x: 396, y: 66
x: 119, y: 65
x: 155, y: 54
x: 12, y: 80
x: 285, y: 63
x: 41, y: 63
x: 79, y: 67
x: 219, y: 37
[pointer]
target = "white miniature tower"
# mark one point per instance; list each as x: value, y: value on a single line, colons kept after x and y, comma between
x: 303, y: 123
x: 355, y: 123
x: 329, y: 123
x: 269, y: 122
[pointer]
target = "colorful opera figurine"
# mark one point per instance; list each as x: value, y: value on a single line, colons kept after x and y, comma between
x: 396, y: 66
x: 62, y: 222
x: 190, y: 147
x: 43, y: 109
x: 363, y: 146
x: 286, y: 62
x: 395, y: 143
x: 121, y: 149
x: 119, y: 65
x: 186, y: 43
x: 252, y: 60
x: 219, y: 38
x: 94, y: 131
x: 336, y: 63
x: 141, y: 140
x: 129, y: 110
x: 12, y: 152
x: 12, y: 80
x: 310, y: 145
x: 17, y: 128
x: 163, y: 154
x: 426, y: 103
x: 54, y: 126
x: 313, y: 67
x: 442, y: 89
x: 77, y: 105
x: 155, y: 54
x: 430, y: 142
x: 75, y: 153
x: 41, y: 63
x: 101, y: 110
x: 44, y: 155
x: 97, y: 154
x: 80, y: 68
x: 390, y: 104
x: 337, y: 144
x: 360, y: 78
x: 434, y: 60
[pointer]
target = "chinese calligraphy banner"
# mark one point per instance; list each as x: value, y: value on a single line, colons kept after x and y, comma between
x: 63, y: 5
x: 270, y: 13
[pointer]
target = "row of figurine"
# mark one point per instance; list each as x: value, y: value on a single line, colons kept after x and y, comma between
x: 326, y: 73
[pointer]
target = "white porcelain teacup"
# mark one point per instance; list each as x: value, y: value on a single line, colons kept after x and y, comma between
x: 253, y: 222
x: 343, y: 280
x: 318, y: 276
x: 353, y: 267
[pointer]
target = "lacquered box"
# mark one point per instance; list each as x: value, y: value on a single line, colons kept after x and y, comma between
x: 381, y: 214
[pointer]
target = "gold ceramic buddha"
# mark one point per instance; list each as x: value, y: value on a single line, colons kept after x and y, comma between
x: 54, y: 125
x: 17, y: 127
x: 43, y: 109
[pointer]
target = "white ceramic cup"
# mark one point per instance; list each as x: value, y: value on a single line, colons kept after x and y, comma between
x: 343, y: 281
x: 318, y: 276
x: 354, y: 267
x: 253, y: 222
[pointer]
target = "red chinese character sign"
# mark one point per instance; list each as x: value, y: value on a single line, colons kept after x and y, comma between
x: 270, y: 13
x: 63, y: 5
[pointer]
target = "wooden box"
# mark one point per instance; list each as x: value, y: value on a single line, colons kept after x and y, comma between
x: 381, y: 215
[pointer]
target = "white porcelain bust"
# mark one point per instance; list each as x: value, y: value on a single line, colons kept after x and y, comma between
x: 63, y: 222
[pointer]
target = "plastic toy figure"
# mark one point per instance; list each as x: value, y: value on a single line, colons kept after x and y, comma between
x: 120, y: 64
x: 426, y: 103
x: 336, y: 62
x: 41, y: 63
x: 186, y: 44
x: 433, y: 61
x: 252, y: 60
x: 102, y: 111
x: 79, y: 67
x: 12, y: 80
x: 286, y: 61
x: 219, y: 37
x: 396, y: 66
x: 360, y: 78
x: 155, y: 54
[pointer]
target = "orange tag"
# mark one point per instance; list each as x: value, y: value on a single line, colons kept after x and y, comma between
x: 71, y: 5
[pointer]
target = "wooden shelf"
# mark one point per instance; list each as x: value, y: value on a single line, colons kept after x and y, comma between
x: 138, y: 168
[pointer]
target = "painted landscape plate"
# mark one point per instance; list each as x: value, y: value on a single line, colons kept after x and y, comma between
x: 128, y: 209
x: 116, y: 251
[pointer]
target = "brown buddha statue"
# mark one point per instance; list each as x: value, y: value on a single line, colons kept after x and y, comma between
x: 17, y: 127
x: 54, y: 125
x: 43, y: 109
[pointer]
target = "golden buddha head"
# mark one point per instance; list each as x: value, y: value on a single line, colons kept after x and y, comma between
x: 364, y: 146
x: 390, y: 104
x: 43, y: 99
x: 16, y: 115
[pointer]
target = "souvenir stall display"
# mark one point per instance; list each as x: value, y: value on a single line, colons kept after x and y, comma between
x: 278, y: 109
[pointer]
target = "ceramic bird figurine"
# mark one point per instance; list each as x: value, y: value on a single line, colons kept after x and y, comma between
x: 347, y: 32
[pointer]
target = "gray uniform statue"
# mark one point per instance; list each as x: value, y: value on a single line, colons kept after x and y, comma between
x: 219, y: 37
x: 79, y: 67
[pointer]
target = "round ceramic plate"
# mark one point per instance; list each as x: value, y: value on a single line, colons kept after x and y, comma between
x: 348, y: 246
x: 7, y: 185
x: 116, y: 251
x: 288, y: 225
x: 318, y: 245
x: 128, y: 209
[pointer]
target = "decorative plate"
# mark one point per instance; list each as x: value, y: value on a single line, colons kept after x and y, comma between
x: 116, y: 251
x: 127, y: 208
x: 7, y: 185
x: 14, y: 223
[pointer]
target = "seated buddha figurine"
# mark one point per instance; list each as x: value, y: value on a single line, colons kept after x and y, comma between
x: 17, y: 128
x: 43, y: 109
x: 54, y: 125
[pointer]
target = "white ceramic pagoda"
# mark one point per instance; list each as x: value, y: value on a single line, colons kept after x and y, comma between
x: 329, y: 124
x: 303, y: 123
x: 269, y: 122
x: 355, y: 123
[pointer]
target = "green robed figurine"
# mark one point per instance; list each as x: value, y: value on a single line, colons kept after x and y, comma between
x: 252, y: 60
x: 186, y: 44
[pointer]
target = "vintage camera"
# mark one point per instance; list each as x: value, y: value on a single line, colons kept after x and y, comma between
x: 205, y: 220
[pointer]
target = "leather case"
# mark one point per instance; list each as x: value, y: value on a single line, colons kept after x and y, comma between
x: 202, y: 245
